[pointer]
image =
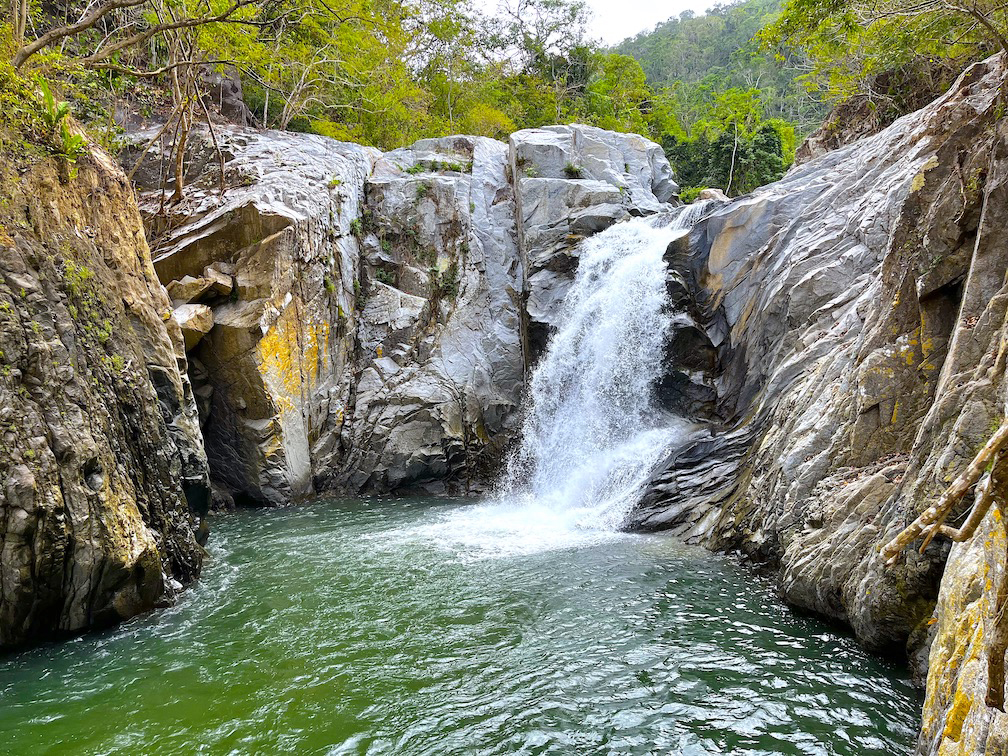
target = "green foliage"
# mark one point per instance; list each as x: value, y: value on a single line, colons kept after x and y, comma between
x: 389, y: 72
x: 692, y: 59
x: 71, y: 145
x: 78, y: 279
x: 572, y: 171
x: 53, y: 113
x: 896, y: 54
x: 385, y: 276
x: 445, y: 283
x: 690, y: 193
x: 733, y: 148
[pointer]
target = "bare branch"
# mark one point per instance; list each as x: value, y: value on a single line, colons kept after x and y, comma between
x: 61, y: 32
x: 937, y: 513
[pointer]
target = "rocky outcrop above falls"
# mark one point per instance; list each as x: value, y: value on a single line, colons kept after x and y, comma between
x: 858, y: 309
x: 572, y: 182
x: 354, y: 319
x: 102, y: 469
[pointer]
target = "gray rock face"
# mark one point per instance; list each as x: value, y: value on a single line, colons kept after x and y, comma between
x: 276, y: 261
x: 857, y: 308
x: 355, y: 320
x: 572, y: 182
x: 439, y: 340
x: 102, y: 468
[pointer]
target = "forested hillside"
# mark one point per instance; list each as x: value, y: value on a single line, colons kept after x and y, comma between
x: 729, y: 94
x: 699, y: 56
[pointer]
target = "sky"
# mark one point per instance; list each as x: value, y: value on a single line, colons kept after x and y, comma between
x: 615, y: 20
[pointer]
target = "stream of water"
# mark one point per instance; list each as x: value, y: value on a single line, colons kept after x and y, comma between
x: 426, y: 627
x: 592, y: 430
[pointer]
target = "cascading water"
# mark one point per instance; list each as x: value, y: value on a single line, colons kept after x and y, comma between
x: 593, y: 430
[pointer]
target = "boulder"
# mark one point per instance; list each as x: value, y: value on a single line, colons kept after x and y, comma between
x: 712, y: 194
x: 441, y: 356
x: 188, y: 289
x: 280, y: 259
x: 195, y: 320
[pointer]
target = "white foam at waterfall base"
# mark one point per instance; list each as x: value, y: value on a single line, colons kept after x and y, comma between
x: 592, y: 433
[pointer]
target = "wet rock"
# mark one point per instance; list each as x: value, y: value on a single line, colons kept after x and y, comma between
x: 571, y: 182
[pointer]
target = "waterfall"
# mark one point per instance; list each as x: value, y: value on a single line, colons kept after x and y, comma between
x: 593, y: 431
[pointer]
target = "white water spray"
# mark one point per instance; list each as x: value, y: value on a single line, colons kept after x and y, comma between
x: 593, y: 432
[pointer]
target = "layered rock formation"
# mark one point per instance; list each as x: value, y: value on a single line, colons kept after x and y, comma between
x: 355, y: 319
x: 857, y: 313
x: 102, y: 469
x: 264, y: 281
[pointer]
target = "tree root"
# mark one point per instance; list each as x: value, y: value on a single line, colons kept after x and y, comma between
x: 933, y: 518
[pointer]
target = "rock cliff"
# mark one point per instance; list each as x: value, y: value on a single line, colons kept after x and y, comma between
x: 102, y: 469
x: 357, y: 321
x: 855, y: 312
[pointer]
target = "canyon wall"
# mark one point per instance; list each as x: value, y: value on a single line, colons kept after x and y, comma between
x: 855, y: 316
x: 102, y: 469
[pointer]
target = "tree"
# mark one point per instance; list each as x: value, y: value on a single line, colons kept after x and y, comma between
x: 879, y: 49
x: 618, y: 93
x: 732, y: 147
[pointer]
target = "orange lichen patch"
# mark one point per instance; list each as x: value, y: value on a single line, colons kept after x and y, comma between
x: 280, y: 358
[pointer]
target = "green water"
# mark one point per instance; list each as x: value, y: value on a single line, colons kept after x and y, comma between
x: 434, y: 627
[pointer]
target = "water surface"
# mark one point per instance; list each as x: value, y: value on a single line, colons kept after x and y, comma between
x: 431, y: 627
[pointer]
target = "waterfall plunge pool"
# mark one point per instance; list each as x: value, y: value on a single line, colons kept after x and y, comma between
x: 434, y: 627
x: 526, y: 624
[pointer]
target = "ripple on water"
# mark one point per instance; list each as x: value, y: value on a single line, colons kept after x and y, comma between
x: 406, y: 627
